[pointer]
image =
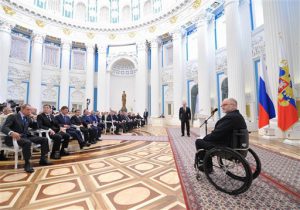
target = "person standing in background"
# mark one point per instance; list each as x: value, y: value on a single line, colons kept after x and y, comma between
x: 145, y: 116
x: 185, y: 117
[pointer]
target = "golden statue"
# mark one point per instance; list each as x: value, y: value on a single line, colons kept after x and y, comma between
x: 124, y: 102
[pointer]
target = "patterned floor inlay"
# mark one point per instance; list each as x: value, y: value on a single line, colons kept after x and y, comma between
x: 57, y: 189
x: 118, y: 175
x: 8, y: 196
x: 122, y: 198
x: 80, y: 204
x: 108, y: 178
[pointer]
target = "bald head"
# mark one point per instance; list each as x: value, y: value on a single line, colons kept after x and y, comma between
x: 229, y: 105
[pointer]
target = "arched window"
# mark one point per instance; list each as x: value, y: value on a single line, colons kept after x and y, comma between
x: 147, y: 8
x: 104, y: 15
x: 80, y: 12
x: 53, y: 6
x: 125, y: 14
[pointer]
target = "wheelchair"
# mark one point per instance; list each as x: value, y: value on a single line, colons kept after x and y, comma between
x: 230, y: 169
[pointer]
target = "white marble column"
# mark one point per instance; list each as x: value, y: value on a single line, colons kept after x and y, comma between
x: 101, y: 82
x: 89, y: 87
x: 64, y: 74
x: 36, y: 72
x: 177, y: 72
x: 141, y: 79
x: 236, y: 86
x: 5, y: 43
x: 154, y: 79
x: 247, y: 61
x: 203, y: 67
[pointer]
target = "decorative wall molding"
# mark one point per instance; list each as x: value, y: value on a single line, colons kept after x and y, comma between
x: 258, y: 44
x: 123, y: 67
x: 167, y: 76
x: 50, y: 78
x: 221, y: 60
x: 49, y: 93
x: 18, y: 73
x: 77, y: 95
x: 77, y: 81
x: 191, y: 72
x: 16, y: 90
x: 113, y: 58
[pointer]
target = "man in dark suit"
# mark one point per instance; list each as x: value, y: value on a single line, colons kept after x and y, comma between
x: 185, y: 117
x: 85, y: 125
x: 16, y: 127
x: 145, y: 115
x: 222, y: 133
x: 64, y: 122
x: 47, y: 121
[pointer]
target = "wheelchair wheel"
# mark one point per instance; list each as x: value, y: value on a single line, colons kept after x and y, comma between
x: 227, y: 170
x: 254, y: 162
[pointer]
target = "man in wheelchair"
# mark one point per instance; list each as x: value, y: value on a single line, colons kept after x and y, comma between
x: 222, y: 133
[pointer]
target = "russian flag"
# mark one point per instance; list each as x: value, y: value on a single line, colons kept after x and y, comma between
x: 266, y: 106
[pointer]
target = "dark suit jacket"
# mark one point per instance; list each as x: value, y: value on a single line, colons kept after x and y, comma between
x: 184, y: 115
x: 15, y: 123
x: 45, y: 123
x: 145, y: 114
x: 77, y: 121
x: 61, y: 121
x: 223, y: 130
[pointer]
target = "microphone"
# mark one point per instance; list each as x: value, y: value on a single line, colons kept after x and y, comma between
x: 213, y: 111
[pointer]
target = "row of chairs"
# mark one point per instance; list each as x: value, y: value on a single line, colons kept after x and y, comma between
x: 16, y: 148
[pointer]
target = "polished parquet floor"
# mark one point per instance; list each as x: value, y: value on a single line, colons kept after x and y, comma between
x: 131, y: 171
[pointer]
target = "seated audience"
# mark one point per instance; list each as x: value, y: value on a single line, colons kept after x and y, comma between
x: 47, y: 121
x: 16, y: 127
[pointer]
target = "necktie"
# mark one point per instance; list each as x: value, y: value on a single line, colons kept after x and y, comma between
x: 65, y: 119
x: 48, y: 116
x: 24, y: 121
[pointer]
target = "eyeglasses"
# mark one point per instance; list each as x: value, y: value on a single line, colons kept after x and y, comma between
x: 225, y: 104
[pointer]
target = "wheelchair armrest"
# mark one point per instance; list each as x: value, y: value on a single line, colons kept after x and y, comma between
x: 240, y: 139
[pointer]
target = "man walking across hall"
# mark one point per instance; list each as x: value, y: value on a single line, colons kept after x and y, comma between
x: 185, y: 117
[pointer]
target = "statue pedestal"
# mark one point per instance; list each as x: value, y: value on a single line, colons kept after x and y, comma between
x: 124, y: 109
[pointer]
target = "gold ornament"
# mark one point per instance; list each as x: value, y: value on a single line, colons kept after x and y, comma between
x: 131, y: 34
x: 196, y: 4
x: 90, y: 35
x: 152, y: 29
x: 173, y: 19
x: 67, y: 31
x: 40, y: 23
x: 111, y: 36
x: 8, y: 10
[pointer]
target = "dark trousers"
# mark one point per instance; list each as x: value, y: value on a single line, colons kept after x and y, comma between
x: 60, y: 138
x: 205, y: 145
x: 187, y: 124
x: 25, y: 143
x: 76, y: 135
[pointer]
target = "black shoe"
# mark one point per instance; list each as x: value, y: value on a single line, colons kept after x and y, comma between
x: 28, y: 168
x: 64, y: 153
x: 209, y: 170
x: 182, y: 135
x: 44, y: 162
x: 87, y: 144
x: 189, y: 135
x: 93, y: 142
x: 55, y: 155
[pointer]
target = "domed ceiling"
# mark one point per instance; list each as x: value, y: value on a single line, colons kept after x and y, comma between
x: 104, y: 13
